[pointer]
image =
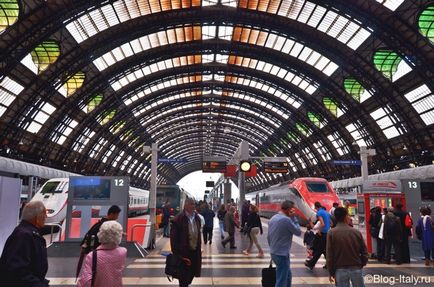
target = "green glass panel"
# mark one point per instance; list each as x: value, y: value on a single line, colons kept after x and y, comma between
x: 354, y: 88
x: 426, y: 23
x: 117, y: 127
x: 126, y: 134
x: 331, y: 106
x: 314, y: 118
x: 386, y: 61
x: 94, y: 102
x: 107, y: 117
x: 45, y: 54
x: 9, y: 11
x: 302, y: 129
x: 74, y: 83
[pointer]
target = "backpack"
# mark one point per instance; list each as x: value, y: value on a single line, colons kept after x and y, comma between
x: 408, y: 222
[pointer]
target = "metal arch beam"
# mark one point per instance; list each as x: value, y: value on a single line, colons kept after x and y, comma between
x: 268, y: 23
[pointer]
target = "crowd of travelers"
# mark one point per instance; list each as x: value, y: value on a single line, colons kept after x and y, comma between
x: 102, y: 261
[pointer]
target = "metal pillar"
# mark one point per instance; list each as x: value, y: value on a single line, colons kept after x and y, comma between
x: 153, y: 189
x: 364, y: 153
x: 227, y: 189
x: 243, y: 155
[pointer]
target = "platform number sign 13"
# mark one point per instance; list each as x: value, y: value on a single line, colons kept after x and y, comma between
x: 119, y: 182
x: 412, y: 184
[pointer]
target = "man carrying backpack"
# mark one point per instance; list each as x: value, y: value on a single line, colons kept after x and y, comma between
x: 90, y: 240
x: 392, y: 234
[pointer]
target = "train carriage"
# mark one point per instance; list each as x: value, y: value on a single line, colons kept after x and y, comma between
x: 304, y: 192
x: 54, y: 194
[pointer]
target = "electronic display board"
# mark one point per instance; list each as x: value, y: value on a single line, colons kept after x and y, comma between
x: 276, y: 167
x: 214, y: 166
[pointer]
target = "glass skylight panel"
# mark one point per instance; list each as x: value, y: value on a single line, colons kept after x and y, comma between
x: 108, y: 153
x: 422, y: 100
x: 321, y: 148
x: 231, y: 3
x: 282, y: 73
x: 403, y: 68
x: 385, y: 122
x: 9, y: 89
x: 338, y: 143
x: 225, y: 32
x: 310, y: 156
x: 285, y: 45
x: 28, y: 62
x: 99, y: 145
x: 339, y: 26
x: 117, y: 159
x: 83, y: 139
x: 391, y: 4
x: 176, y: 35
x: 41, y: 117
x: 64, y: 129
x: 355, y: 133
x: 209, y: 32
x: 99, y: 19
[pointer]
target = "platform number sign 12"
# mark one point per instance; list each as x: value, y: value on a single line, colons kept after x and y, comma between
x: 119, y: 182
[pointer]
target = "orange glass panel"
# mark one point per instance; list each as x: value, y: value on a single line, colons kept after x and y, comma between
x: 263, y: 5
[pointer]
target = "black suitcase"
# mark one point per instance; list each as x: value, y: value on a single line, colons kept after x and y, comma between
x: 269, y: 276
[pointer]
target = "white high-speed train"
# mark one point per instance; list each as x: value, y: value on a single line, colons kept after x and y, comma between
x: 54, y: 195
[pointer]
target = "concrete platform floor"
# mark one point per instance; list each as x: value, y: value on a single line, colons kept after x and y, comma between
x: 229, y: 267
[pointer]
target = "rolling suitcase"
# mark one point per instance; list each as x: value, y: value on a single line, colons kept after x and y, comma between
x: 269, y: 275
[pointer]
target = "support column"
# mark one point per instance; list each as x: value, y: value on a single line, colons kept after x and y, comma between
x: 227, y: 191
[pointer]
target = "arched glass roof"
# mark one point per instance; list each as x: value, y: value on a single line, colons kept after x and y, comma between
x: 84, y: 87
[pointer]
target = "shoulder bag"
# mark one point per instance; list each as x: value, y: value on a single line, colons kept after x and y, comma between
x: 269, y: 275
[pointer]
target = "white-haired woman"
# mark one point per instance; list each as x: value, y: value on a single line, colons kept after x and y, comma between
x: 110, y: 258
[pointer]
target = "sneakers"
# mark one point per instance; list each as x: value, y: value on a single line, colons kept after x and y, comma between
x: 224, y: 244
x: 210, y: 242
x: 233, y: 247
x: 245, y: 252
x: 308, y: 266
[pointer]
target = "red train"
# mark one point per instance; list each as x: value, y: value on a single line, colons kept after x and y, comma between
x: 304, y: 192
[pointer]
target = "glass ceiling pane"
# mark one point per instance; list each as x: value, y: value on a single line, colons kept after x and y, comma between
x: 335, y: 25
x: 99, y: 19
x: 280, y: 43
x: 176, y: 35
x: 391, y: 4
x: 422, y: 100
x: 9, y: 89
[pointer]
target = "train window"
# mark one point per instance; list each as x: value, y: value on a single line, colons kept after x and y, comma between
x: 295, y: 192
x: 51, y: 187
x: 427, y: 191
x: 317, y: 187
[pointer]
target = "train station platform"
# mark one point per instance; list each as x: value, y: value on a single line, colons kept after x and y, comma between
x: 229, y: 267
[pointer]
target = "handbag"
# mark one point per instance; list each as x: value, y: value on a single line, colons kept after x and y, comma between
x: 174, y: 265
x: 269, y: 275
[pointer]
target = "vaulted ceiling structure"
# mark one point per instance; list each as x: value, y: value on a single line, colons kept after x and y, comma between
x: 84, y: 85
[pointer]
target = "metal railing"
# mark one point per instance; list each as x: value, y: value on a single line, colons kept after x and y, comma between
x: 52, y: 225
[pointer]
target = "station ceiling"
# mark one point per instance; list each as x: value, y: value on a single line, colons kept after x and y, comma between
x: 84, y: 85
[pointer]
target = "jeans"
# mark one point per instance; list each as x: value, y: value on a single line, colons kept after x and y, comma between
x: 427, y: 254
x: 222, y: 228
x: 166, y: 230
x: 283, y: 273
x: 343, y: 277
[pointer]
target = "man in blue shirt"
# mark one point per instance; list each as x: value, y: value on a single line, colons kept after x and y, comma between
x: 280, y: 230
x: 320, y: 242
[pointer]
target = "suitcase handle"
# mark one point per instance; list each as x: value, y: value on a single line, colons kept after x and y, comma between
x: 271, y: 263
